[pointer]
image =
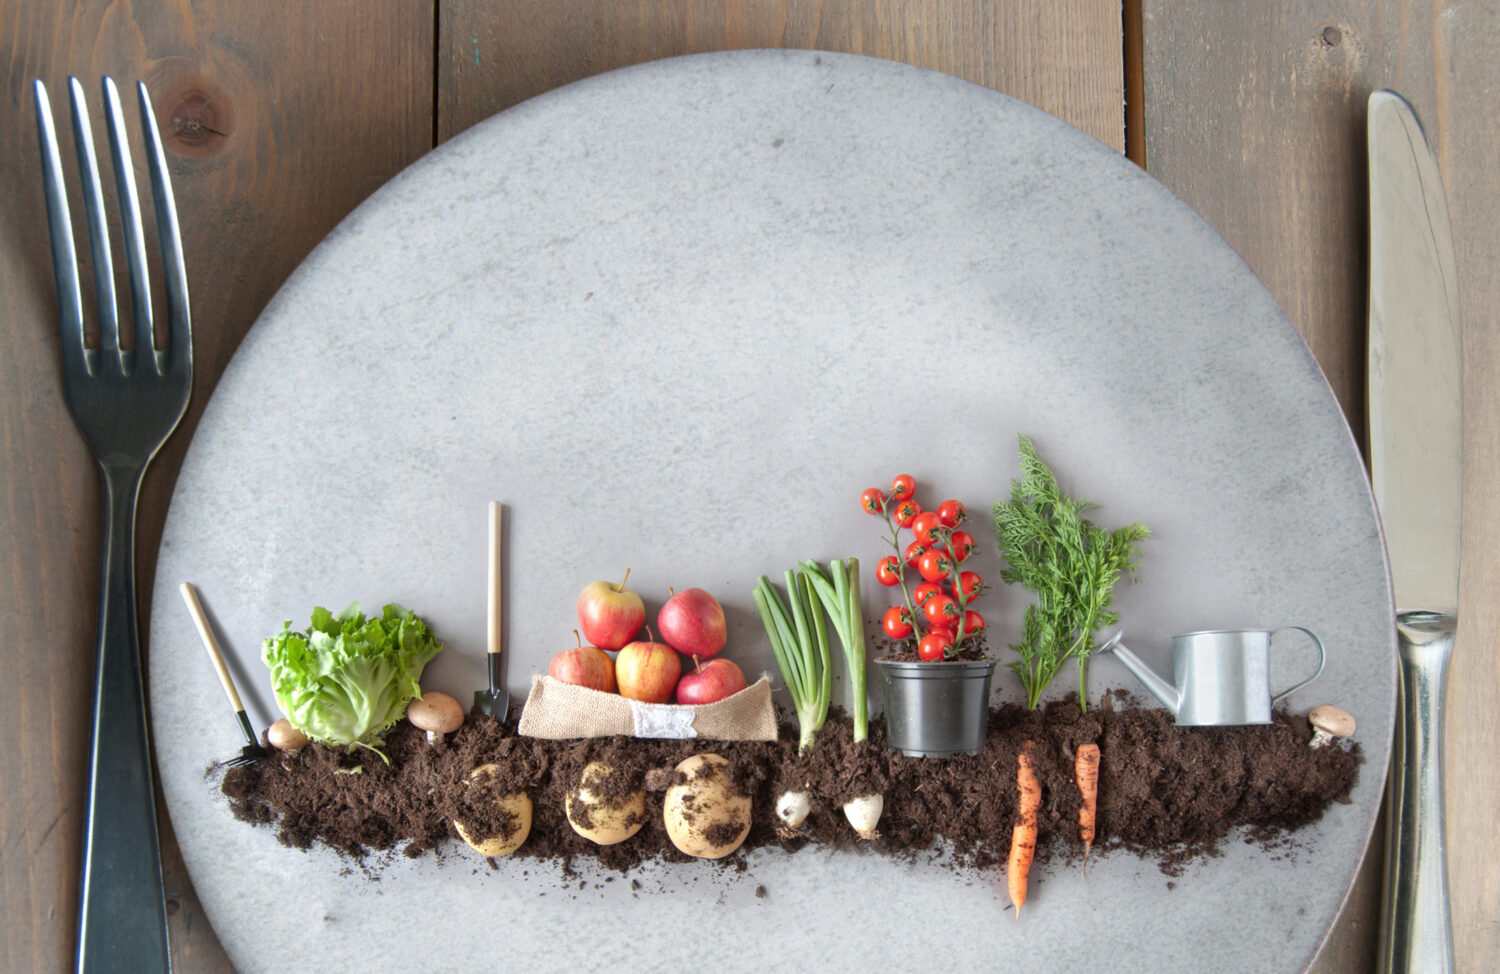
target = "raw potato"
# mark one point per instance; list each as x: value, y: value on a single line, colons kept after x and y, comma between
x: 517, y: 804
x: 600, y: 823
x: 701, y: 811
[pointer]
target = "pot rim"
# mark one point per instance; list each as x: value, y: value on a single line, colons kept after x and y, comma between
x: 920, y: 665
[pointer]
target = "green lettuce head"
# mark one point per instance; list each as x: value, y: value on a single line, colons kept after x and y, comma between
x: 347, y: 679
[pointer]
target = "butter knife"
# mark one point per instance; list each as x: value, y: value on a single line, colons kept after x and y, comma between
x: 1416, y: 470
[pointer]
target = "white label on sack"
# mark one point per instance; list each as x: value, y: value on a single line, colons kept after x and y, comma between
x: 661, y: 720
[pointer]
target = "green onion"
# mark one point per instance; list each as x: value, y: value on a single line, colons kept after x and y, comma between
x: 840, y: 598
x: 799, y: 639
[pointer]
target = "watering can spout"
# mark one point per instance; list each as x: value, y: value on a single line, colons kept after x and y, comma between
x: 1169, y: 695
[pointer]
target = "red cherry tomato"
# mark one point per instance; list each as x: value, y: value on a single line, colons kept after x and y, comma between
x: 934, y: 646
x: 935, y: 566
x: 940, y: 610
x: 925, y: 591
x: 925, y: 525
x: 914, y: 551
x: 973, y: 623
x: 872, y: 500
x: 896, y: 622
x: 888, y: 571
x: 963, y: 544
x: 951, y: 513
x: 969, y: 584
x: 903, y: 488
x: 904, y: 512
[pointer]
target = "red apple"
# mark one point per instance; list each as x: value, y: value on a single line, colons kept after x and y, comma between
x: 610, y: 614
x: 584, y: 666
x: 692, y: 622
x: 648, y: 671
x: 714, y: 680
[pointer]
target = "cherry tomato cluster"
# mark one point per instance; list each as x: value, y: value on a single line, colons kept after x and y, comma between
x: 936, y: 613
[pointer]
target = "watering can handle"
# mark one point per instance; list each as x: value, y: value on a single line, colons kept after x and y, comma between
x: 1322, y: 659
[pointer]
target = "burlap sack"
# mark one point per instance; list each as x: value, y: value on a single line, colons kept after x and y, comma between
x: 559, y: 711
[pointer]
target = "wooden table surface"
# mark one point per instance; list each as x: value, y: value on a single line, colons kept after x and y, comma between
x: 281, y: 117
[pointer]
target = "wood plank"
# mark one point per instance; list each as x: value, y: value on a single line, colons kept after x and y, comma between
x: 1255, y: 116
x: 1063, y: 57
x: 279, y: 119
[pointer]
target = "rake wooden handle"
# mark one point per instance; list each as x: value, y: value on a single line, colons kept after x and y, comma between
x: 206, y: 633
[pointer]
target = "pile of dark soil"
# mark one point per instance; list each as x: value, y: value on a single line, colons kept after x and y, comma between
x: 1165, y: 793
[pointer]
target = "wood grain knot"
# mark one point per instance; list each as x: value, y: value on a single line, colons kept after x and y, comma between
x: 200, y: 120
x: 1332, y: 36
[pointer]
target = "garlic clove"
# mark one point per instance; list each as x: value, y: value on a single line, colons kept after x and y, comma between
x: 864, y: 814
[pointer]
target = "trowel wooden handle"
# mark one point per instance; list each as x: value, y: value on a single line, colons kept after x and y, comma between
x: 493, y: 629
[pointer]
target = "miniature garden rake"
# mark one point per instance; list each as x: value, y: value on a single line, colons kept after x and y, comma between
x: 252, y: 752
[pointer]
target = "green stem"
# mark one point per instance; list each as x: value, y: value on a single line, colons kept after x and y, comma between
x: 855, y: 650
x: 895, y: 542
x: 806, y: 734
x: 820, y: 645
x: 799, y: 642
x: 840, y: 599
x: 958, y: 589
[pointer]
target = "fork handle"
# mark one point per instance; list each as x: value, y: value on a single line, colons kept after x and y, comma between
x: 122, y: 914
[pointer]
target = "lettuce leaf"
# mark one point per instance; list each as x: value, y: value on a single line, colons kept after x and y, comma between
x: 347, y: 678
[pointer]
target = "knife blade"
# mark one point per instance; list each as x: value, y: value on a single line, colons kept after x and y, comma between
x: 1416, y: 471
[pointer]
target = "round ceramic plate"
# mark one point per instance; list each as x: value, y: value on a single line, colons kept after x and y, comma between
x: 676, y: 317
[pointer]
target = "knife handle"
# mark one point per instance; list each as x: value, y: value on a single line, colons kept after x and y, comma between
x: 1416, y: 927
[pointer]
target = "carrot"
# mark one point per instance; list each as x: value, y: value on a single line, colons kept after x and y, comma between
x: 1023, y: 835
x: 1086, y: 772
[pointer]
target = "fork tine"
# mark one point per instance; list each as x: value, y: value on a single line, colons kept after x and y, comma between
x: 179, y: 352
x: 60, y: 223
x: 130, y: 225
x: 93, y: 211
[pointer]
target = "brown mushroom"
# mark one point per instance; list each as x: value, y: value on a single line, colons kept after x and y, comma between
x: 437, y: 714
x: 284, y: 737
x: 1329, y: 722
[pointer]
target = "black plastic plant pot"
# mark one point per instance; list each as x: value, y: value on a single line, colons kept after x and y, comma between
x: 936, y: 710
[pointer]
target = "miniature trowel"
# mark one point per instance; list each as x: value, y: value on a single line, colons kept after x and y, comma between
x: 494, y: 701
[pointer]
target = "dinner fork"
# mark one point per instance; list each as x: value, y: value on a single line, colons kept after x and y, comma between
x: 126, y: 402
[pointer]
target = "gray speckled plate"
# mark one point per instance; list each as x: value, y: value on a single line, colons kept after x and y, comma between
x: 677, y: 317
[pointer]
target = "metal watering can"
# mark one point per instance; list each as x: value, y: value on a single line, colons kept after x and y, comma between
x: 1221, y: 677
